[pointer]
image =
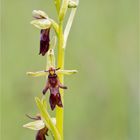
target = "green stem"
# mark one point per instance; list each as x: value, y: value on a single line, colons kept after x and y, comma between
x: 60, y: 111
x: 61, y: 55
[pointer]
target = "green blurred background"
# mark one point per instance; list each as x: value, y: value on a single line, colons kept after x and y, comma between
x: 102, y: 100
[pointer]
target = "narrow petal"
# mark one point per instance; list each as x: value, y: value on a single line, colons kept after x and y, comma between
x: 46, y: 88
x: 61, y: 86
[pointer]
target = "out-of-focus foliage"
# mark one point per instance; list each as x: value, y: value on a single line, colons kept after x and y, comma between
x: 101, y: 102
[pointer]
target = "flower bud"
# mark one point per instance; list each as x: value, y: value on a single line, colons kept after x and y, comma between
x: 72, y: 4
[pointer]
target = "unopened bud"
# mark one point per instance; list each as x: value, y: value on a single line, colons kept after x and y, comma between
x: 72, y: 4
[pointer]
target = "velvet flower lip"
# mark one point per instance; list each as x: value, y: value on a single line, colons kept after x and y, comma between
x: 39, y: 126
x: 42, y: 22
x: 44, y: 41
x: 53, y: 84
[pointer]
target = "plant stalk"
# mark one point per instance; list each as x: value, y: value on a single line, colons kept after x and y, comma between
x: 60, y: 64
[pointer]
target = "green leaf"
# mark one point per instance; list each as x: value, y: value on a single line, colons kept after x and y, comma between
x: 41, y: 23
x: 36, y: 125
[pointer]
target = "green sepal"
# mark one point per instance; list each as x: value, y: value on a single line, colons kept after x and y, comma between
x: 41, y: 23
x: 35, y: 125
x: 66, y: 72
x: 38, y: 14
x: 37, y: 74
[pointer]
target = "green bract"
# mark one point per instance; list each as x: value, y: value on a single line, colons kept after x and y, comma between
x: 49, y: 122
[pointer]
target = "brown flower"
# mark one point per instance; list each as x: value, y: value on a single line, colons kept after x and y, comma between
x: 53, y: 84
x: 42, y: 22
